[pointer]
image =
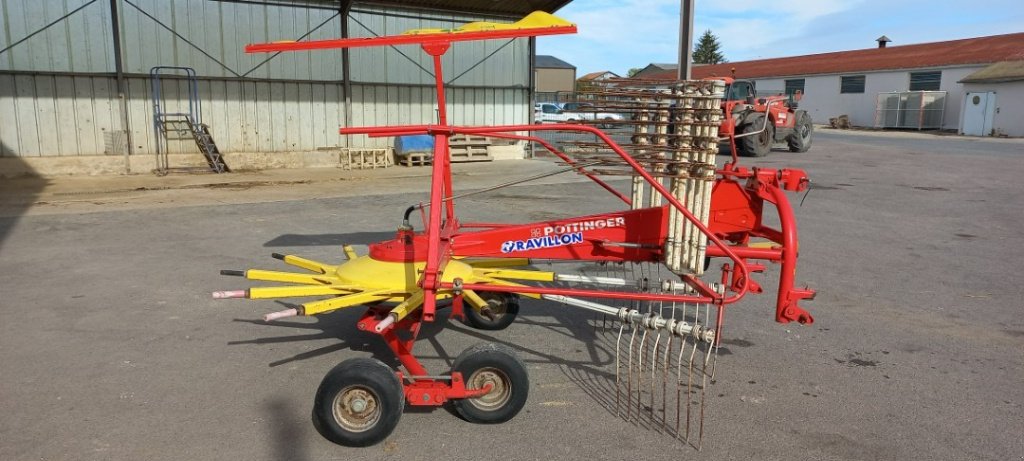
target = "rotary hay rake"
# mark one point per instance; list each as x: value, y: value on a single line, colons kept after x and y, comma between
x: 681, y: 213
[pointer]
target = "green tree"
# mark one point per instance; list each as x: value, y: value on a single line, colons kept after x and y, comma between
x: 633, y: 71
x: 708, y: 50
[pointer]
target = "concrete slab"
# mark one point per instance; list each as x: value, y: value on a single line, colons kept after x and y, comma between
x: 113, y: 349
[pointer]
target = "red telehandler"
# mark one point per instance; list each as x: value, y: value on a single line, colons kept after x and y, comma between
x: 754, y: 124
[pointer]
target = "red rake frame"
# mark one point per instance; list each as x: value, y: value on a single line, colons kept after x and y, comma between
x: 736, y: 212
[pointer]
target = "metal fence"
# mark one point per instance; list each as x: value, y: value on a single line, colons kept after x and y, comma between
x: 921, y: 110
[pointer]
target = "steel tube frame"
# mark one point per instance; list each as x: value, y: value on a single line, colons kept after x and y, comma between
x: 640, y: 171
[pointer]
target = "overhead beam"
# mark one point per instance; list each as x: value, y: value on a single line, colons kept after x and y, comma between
x: 685, y: 39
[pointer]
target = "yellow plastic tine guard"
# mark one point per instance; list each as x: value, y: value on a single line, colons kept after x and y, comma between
x: 327, y: 305
x: 536, y: 276
x: 350, y: 252
x: 300, y: 291
x: 304, y: 263
x: 289, y: 277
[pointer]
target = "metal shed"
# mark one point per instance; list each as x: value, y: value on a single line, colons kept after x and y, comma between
x: 63, y: 65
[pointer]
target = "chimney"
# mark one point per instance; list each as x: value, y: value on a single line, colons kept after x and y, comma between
x: 882, y: 41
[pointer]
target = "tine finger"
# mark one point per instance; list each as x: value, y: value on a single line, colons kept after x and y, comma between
x: 629, y: 374
x: 618, y: 381
x: 654, y: 371
x: 640, y: 375
x: 679, y: 383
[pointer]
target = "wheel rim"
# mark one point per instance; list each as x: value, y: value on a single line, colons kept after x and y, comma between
x: 764, y: 137
x: 497, y: 307
x: 501, y: 390
x: 805, y: 130
x: 356, y: 409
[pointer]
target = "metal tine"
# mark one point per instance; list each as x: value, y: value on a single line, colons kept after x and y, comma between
x: 642, y: 350
x: 679, y: 378
x: 629, y: 374
x: 704, y: 380
x: 640, y: 375
x: 618, y: 383
x: 718, y: 342
x: 664, y: 369
x: 689, y: 375
x: 654, y: 371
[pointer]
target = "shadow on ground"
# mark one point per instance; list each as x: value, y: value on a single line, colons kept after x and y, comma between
x: 20, y: 187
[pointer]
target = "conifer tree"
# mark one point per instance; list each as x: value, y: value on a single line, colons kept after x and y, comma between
x: 708, y: 50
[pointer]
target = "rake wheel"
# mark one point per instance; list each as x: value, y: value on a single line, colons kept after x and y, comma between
x: 358, y: 403
x: 495, y: 365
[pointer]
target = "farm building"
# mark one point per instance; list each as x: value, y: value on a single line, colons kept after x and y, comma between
x: 553, y: 75
x: 77, y: 95
x: 861, y: 83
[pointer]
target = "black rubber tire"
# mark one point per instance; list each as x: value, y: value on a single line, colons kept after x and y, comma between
x: 497, y: 364
x: 504, y: 307
x: 800, y: 139
x: 364, y: 379
x: 756, y: 145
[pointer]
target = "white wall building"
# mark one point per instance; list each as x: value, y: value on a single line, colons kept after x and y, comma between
x: 849, y: 82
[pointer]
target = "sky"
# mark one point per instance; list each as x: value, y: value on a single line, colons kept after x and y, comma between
x: 617, y: 35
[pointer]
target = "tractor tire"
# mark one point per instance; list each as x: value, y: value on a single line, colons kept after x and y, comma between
x: 494, y: 364
x: 756, y: 145
x: 503, y: 309
x: 800, y: 139
x: 358, y: 403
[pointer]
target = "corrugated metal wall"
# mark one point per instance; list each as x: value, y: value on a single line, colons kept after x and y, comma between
x: 58, y: 97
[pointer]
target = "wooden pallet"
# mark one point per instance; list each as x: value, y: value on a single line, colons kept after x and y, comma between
x: 469, y: 148
x: 366, y: 159
x: 416, y: 159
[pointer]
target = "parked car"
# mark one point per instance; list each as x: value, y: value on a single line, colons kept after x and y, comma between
x: 548, y: 112
x: 584, y: 111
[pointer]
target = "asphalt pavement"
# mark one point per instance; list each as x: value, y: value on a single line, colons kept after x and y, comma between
x: 112, y: 348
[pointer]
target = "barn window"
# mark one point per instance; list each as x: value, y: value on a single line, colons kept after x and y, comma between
x: 794, y: 85
x: 925, y: 81
x: 852, y: 84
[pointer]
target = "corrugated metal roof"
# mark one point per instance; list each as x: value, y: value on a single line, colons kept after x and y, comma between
x: 1005, y: 71
x: 544, y: 61
x: 980, y: 50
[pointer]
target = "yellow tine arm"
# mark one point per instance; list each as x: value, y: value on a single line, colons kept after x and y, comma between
x: 350, y: 253
x: 289, y: 277
x: 408, y: 306
x: 304, y: 263
x: 537, y: 276
x: 497, y: 262
x: 300, y: 291
x: 474, y: 299
x: 327, y: 305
